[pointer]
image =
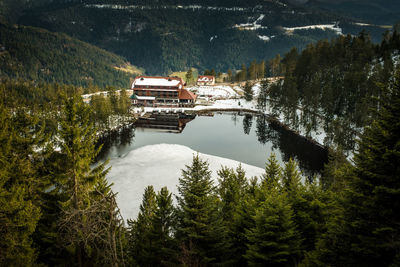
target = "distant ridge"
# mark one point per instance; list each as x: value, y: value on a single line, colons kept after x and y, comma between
x: 28, y: 53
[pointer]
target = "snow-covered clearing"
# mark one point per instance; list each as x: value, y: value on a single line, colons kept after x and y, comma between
x: 218, y: 91
x: 159, y: 165
x: 252, y: 26
x: 334, y: 27
x: 265, y: 37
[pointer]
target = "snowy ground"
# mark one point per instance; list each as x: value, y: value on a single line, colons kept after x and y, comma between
x: 334, y: 27
x: 136, y: 170
x: 217, y: 91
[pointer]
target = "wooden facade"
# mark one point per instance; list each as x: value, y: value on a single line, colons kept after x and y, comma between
x: 161, y: 91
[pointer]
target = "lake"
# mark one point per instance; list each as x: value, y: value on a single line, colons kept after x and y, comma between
x: 242, y: 137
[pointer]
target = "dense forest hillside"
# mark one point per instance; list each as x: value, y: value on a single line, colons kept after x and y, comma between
x: 178, y: 35
x: 374, y: 11
x: 35, y: 54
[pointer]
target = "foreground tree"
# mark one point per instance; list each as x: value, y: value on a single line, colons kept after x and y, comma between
x: 274, y: 239
x: 200, y: 230
x: 140, y: 243
x: 88, y: 207
x: 18, y: 214
x: 367, y: 232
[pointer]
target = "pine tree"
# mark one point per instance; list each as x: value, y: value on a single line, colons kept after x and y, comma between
x: 291, y: 179
x: 189, y: 76
x: 274, y: 239
x: 18, y: 214
x: 262, y: 96
x: 163, y: 223
x: 200, y: 230
x: 273, y: 172
x: 76, y: 180
x: 248, y: 91
x: 229, y: 72
x: 140, y: 243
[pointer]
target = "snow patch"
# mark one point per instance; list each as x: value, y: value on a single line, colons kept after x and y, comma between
x: 159, y: 165
x: 265, y: 38
x: 256, y: 25
x: 334, y: 27
x: 219, y: 91
x: 213, y: 37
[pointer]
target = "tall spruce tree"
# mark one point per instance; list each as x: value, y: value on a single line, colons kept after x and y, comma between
x: 162, y: 232
x: 274, y: 239
x: 248, y: 91
x: 18, y: 214
x: 140, y: 247
x: 76, y: 181
x: 200, y: 230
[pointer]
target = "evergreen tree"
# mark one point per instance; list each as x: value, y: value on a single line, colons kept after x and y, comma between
x: 261, y: 70
x: 248, y: 91
x: 18, y: 214
x: 273, y: 172
x: 189, y: 76
x: 140, y: 243
x: 163, y: 223
x: 262, y: 96
x: 76, y: 181
x: 229, y: 72
x: 274, y: 240
x: 252, y: 72
x: 291, y: 179
x: 200, y: 230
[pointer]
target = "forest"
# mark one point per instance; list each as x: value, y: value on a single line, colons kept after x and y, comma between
x: 330, y: 85
x: 163, y: 40
x: 28, y: 53
x: 57, y: 210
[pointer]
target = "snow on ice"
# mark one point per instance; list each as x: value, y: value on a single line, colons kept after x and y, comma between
x: 159, y: 165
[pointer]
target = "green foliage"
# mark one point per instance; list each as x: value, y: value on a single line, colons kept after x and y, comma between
x: 164, y: 246
x: 366, y: 223
x: 274, y: 239
x: 200, y: 231
x: 19, y: 214
x: 42, y: 56
x: 165, y: 38
x: 140, y: 243
x: 262, y: 96
x: 248, y: 91
x: 333, y: 84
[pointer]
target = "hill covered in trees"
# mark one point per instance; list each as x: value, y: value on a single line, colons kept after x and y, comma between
x: 373, y: 11
x: 175, y: 35
x: 29, y: 53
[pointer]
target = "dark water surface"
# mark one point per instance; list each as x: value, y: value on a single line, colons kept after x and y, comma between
x: 245, y: 138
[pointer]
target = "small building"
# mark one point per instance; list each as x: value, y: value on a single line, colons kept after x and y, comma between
x: 161, y: 92
x: 205, y: 80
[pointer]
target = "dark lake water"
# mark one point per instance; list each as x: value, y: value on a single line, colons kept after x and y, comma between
x: 246, y: 138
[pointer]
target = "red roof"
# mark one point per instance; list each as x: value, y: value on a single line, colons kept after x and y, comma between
x: 187, y: 95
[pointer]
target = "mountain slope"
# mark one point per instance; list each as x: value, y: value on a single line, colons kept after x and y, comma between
x: 35, y: 54
x: 373, y: 11
x: 174, y: 36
